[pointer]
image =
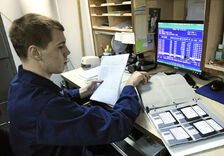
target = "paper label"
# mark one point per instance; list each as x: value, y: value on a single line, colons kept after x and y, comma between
x: 199, y: 110
x: 157, y: 121
x: 214, y: 124
x: 191, y: 130
x: 167, y: 136
x: 179, y: 133
x: 178, y: 115
x: 189, y: 112
x: 203, y: 127
x: 167, y: 118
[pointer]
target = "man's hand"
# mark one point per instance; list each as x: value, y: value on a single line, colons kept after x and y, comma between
x: 89, y: 89
x: 137, y: 78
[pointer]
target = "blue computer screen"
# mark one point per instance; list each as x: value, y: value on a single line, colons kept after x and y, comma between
x: 180, y: 44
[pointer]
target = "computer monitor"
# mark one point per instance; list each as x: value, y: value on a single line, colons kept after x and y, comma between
x: 179, y: 44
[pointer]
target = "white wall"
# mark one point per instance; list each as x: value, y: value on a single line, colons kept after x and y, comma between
x: 44, y: 7
x: 87, y: 33
x: 10, y: 10
x: 68, y: 16
x: 65, y: 11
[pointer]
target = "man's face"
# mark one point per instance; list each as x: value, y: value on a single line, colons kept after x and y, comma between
x: 54, y: 57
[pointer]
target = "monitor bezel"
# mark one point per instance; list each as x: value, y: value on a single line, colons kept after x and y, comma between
x: 178, y: 21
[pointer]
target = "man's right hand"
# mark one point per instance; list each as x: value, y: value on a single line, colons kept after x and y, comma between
x: 138, y: 77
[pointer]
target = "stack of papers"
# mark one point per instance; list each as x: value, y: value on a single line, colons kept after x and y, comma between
x: 89, y: 74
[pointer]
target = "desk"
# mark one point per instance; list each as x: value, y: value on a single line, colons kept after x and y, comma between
x: 142, y: 122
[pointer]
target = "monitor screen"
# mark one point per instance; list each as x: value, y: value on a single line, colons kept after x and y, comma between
x: 180, y: 44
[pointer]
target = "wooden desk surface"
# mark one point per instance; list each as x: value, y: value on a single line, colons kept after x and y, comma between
x: 143, y: 123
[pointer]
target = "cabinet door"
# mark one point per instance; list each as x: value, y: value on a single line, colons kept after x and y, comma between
x: 3, y: 113
x: 7, y: 66
x: 5, y: 78
x: 3, y: 50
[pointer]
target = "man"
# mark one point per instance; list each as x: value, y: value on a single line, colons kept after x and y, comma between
x: 43, y: 119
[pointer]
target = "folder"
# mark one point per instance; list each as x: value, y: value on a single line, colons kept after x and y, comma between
x: 182, y: 119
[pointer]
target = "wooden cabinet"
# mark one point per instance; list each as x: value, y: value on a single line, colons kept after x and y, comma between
x: 107, y: 15
x: 214, y: 29
x: 107, y: 18
x: 8, y: 71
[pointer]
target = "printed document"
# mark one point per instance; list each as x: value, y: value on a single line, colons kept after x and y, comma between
x: 111, y: 71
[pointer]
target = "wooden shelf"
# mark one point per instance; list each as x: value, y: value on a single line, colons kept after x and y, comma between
x: 95, y: 6
x: 106, y: 5
x: 214, y: 69
x: 111, y: 29
x: 126, y: 14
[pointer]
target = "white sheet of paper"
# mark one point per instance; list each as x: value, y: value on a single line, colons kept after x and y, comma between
x: 89, y: 74
x: 111, y: 71
x: 203, y: 127
x: 189, y: 112
x: 179, y: 133
x: 175, y: 85
x: 128, y: 37
x: 169, y: 89
x: 118, y: 36
x: 167, y: 118
x: 214, y: 124
x: 199, y: 110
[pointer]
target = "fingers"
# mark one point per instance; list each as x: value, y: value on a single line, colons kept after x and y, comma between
x: 137, y: 78
x: 92, y: 85
x: 97, y: 81
x: 145, y: 77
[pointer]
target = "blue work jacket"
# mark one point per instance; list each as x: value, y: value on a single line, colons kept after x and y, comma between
x: 46, y: 121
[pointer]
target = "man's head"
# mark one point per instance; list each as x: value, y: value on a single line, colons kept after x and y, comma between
x: 32, y: 29
x: 40, y: 43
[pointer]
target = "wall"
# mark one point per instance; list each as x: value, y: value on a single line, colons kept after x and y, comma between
x: 68, y: 16
x: 66, y: 12
x: 44, y: 7
x: 87, y: 33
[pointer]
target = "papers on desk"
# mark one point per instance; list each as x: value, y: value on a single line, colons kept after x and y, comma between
x: 90, y: 74
x: 111, y: 71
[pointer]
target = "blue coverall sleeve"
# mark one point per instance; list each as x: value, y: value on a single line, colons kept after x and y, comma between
x: 73, y: 94
x: 63, y: 122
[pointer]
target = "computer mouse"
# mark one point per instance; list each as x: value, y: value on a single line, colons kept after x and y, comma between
x: 216, y: 85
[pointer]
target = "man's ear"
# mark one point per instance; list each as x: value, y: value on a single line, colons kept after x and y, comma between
x: 34, y: 52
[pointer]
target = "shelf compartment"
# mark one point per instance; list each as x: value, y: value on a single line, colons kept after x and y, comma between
x: 99, y: 21
x: 118, y: 21
x: 104, y: 39
x: 96, y: 3
x: 98, y: 10
x: 119, y: 10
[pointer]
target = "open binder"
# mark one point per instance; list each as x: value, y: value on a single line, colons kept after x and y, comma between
x: 180, y: 117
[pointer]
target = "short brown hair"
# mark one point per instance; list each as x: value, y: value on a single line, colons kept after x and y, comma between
x: 32, y: 29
